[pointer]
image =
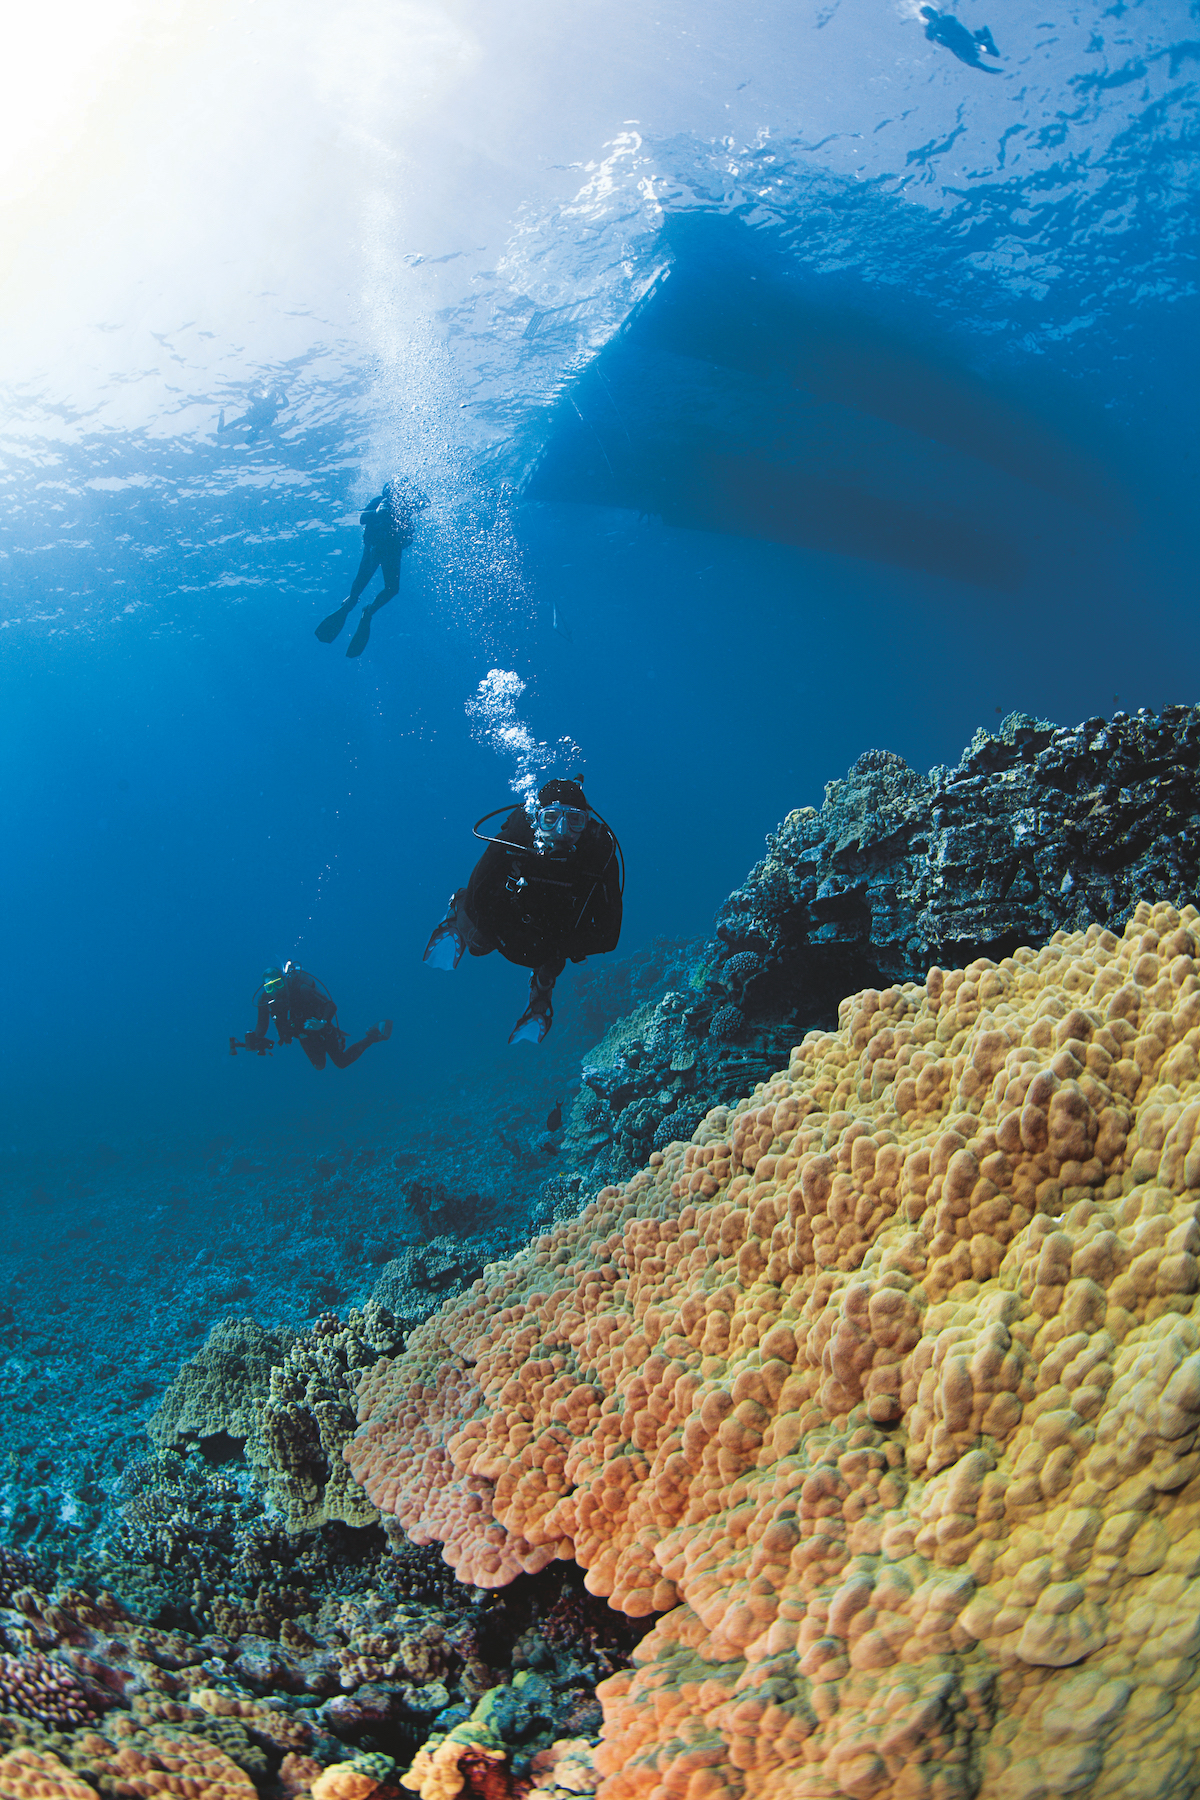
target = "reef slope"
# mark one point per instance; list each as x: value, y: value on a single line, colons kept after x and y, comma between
x: 1038, y: 829
x: 884, y: 1393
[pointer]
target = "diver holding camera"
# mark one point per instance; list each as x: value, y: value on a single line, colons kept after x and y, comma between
x: 302, y: 1007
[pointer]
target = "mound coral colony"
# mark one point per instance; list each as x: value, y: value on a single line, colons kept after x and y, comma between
x: 973, y: 1208
x: 850, y: 1446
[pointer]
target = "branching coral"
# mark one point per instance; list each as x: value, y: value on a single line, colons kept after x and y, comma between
x: 887, y: 1398
x: 307, y: 1414
x: 37, y: 1687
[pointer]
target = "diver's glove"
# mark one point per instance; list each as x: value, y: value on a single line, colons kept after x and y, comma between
x: 256, y: 1042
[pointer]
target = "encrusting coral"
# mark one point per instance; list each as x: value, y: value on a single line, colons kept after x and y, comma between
x: 884, y: 1392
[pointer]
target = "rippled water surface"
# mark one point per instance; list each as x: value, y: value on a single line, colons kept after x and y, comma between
x: 783, y: 386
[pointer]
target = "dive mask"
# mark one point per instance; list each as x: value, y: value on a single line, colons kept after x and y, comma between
x: 559, y: 823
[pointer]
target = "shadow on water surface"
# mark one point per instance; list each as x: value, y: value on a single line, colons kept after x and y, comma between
x: 745, y: 396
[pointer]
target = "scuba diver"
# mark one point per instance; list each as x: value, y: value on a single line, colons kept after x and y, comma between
x: 548, y: 887
x: 302, y: 1007
x: 262, y: 405
x: 388, y: 524
x: 943, y: 28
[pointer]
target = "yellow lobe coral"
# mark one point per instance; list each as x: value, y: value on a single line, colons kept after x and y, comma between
x: 567, y: 1767
x: 27, y: 1774
x: 163, y: 1762
x: 884, y: 1392
x: 441, y: 1769
x: 344, y: 1782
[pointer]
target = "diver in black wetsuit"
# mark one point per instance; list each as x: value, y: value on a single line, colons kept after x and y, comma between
x: 943, y: 28
x: 545, y: 889
x: 303, y: 1008
x: 388, y: 524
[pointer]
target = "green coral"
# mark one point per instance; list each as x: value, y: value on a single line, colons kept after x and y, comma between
x: 308, y: 1413
x: 517, y: 1719
x: 374, y: 1764
x: 218, y: 1391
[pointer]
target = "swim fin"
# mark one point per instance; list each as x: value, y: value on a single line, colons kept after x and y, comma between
x: 533, y: 1024
x: 359, y: 641
x: 329, y: 628
x: 445, y: 947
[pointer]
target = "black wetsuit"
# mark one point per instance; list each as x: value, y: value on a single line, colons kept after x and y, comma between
x: 943, y: 28
x: 539, y: 910
x: 386, y: 532
x: 302, y: 1008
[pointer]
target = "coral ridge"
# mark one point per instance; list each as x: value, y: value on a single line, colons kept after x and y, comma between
x: 882, y: 1393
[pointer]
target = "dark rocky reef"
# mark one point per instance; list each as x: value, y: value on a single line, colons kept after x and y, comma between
x: 321, y: 1660
x: 1038, y: 829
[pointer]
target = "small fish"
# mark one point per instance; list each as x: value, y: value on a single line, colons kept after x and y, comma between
x: 554, y: 1117
x: 560, y: 627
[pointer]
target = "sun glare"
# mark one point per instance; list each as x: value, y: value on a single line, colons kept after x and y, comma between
x: 57, y: 62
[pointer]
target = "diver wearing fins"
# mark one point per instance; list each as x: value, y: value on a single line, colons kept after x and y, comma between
x: 943, y: 28
x: 549, y: 886
x: 388, y: 523
x: 302, y: 1007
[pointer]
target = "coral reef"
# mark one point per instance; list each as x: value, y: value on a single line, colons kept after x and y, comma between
x: 191, y: 1549
x: 17, y: 1570
x: 141, y: 1765
x: 871, y: 1407
x: 1037, y: 829
x: 1040, y: 828
x: 654, y: 1076
x: 510, y: 1730
x: 284, y: 1226
x: 33, y: 1687
x: 414, y: 1283
x: 307, y: 1415
x: 214, y: 1397
x: 27, y: 1774
x: 344, y: 1685
x: 883, y: 1403
x: 362, y: 1778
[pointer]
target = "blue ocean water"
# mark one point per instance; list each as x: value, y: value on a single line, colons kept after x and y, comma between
x: 784, y: 386
x: 941, y: 318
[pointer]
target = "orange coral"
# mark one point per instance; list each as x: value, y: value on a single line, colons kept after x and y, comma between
x: 344, y: 1782
x: 164, y: 1763
x: 567, y: 1767
x: 885, y: 1392
x: 444, y: 1770
x: 38, y: 1775
x: 266, y: 1724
